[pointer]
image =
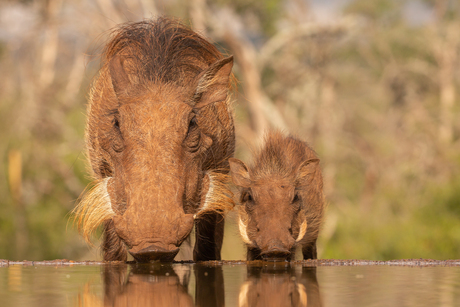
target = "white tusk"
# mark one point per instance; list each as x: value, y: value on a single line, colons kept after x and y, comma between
x: 302, y: 295
x: 303, y: 230
x: 243, y: 296
x: 243, y: 232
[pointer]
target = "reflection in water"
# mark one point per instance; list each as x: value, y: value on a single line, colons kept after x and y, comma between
x: 86, y: 298
x: 147, y: 285
x: 280, y: 285
x: 250, y: 284
x: 209, y: 286
x: 157, y: 284
x: 15, y: 278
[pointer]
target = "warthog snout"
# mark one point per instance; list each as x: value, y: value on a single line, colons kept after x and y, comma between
x: 154, y: 252
x: 154, y: 243
x: 275, y: 250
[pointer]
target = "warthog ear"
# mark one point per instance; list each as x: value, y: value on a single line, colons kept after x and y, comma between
x: 213, y: 83
x: 240, y: 173
x: 306, y: 171
x: 120, y: 79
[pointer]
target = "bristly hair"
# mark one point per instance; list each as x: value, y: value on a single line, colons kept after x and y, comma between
x: 218, y: 197
x: 93, y: 209
x: 162, y: 49
x: 280, y: 155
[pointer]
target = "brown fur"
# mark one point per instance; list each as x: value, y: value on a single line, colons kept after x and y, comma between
x: 159, y: 126
x: 281, y: 201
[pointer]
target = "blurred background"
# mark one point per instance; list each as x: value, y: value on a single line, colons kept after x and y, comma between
x: 373, y: 86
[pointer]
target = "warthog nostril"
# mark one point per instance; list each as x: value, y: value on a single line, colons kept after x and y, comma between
x: 275, y: 250
x: 154, y: 252
x: 275, y: 254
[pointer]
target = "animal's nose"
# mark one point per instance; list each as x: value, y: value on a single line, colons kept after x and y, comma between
x: 276, y: 255
x: 275, y: 251
x: 154, y: 252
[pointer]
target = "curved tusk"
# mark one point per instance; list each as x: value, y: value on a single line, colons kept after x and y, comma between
x: 243, y: 295
x: 243, y: 232
x: 302, y: 295
x: 302, y: 232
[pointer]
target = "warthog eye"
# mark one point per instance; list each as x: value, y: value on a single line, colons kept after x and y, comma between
x: 117, y: 140
x: 193, y: 138
x: 295, y: 205
x: 116, y: 123
x: 246, y: 197
x: 296, y: 198
x: 192, y: 125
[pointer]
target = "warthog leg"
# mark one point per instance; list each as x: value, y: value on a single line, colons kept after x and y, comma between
x: 209, y: 237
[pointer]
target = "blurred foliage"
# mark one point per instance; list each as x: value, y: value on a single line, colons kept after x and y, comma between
x: 431, y: 230
x: 377, y: 10
x: 375, y: 95
x: 264, y: 13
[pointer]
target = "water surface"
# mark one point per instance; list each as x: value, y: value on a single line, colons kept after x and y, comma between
x: 211, y: 284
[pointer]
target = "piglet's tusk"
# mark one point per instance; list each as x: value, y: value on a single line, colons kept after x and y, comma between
x: 243, y: 296
x: 243, y: 232
x: 303, y: 298
x: 303, y: 230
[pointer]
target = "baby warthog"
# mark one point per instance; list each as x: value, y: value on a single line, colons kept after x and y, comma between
x: 159, y: 135
x: 281, y: 201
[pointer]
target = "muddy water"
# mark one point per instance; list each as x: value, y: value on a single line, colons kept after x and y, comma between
x: 343, y: 283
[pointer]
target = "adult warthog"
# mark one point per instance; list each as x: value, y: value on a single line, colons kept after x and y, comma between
x: 159, y: 134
